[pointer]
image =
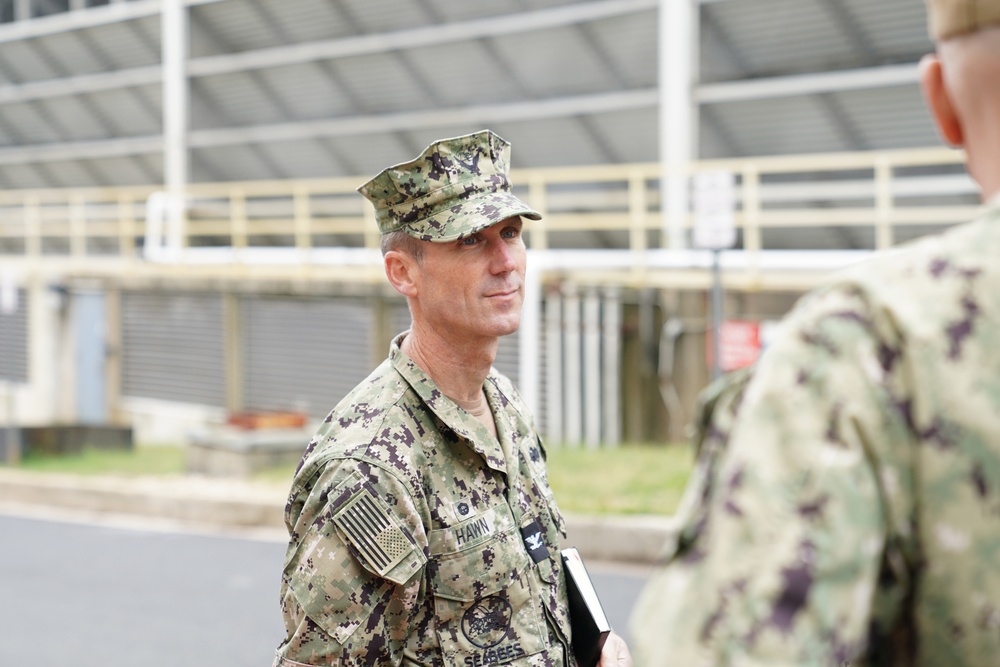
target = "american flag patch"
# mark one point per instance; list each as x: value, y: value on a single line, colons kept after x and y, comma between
x: 373, y: 532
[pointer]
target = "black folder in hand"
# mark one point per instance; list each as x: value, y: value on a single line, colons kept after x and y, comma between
x: 590, y: 625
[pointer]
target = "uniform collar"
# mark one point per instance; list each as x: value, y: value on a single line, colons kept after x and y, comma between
x: 450, y: 413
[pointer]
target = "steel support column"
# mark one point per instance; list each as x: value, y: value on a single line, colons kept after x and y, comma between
x: 678, y: 73
x: 174, y: 25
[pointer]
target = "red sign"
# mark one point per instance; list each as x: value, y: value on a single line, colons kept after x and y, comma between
x: 739, y: 343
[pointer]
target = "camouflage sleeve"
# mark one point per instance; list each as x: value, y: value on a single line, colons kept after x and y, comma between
x: 786, y: 527
x: 351, y: 586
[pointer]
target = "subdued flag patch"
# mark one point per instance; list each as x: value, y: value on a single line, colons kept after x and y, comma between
x: 368, y: 526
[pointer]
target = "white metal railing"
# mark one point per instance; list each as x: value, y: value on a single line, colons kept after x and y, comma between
x: 873, y: 199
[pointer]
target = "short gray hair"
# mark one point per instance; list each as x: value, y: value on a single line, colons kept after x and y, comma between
x: 403, y: 242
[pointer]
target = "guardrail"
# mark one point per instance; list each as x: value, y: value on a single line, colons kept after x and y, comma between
x: 843, y: 201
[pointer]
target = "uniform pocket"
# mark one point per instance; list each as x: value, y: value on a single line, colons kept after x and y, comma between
x: 485, y: 611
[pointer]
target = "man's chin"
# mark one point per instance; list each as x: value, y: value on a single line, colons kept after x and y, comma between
x: 507, y: 328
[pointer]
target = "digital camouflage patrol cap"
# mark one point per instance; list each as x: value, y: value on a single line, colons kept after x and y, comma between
x: 950, y: 18
x: 457, y: 187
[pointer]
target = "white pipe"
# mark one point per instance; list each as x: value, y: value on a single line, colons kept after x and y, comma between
x: 611, y: 339
x: 731, y: 260
x: 553, y: 368
x: 543, y: 260
x: 164, y: 238
x: 571, y: 385
x: 592, y: 367
x: 9, y: 297
x: 44, y: 324
x: 153, y: 247
x: 550, y: 260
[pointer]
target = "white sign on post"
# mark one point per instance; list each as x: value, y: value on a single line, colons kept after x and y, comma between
x: 714, y: 195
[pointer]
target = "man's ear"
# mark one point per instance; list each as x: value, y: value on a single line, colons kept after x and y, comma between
x: 939, y: 100
x: 402, y: 271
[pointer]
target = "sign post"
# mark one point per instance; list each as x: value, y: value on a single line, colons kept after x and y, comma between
x: 715, y: 230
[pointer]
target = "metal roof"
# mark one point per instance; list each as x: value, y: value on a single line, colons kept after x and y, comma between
x: 315, y: 88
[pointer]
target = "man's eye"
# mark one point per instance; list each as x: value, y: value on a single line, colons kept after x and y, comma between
x: 510, y: 233
x: 469, y: 240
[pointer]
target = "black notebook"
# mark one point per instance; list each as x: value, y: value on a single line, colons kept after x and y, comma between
x: 590, y: 625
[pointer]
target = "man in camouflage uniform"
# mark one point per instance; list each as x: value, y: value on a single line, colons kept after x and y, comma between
x: 423, y: 529
x: 845, y: 510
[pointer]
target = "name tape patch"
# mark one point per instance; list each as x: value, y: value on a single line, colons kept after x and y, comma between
x: 474, y: 529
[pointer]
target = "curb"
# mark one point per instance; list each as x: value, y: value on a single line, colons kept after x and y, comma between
x: 172, y: 499
x: 620, y: 539
x: 229, y: 504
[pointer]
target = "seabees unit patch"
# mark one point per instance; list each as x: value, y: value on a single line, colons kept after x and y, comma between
x: 370, y: 527
x: 486, y: 624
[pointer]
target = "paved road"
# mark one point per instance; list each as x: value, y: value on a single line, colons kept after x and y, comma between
x: 98, y: 596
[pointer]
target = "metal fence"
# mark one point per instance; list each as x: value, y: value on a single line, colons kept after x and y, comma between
x: 323, y: 228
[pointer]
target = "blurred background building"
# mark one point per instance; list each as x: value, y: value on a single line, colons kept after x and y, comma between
x: 180, y: 238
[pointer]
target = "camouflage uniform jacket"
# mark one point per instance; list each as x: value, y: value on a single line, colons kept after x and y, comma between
x: 417, y: 538
x: 845, y: 508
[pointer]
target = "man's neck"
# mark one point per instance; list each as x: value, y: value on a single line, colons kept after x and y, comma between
x: 458, y: 369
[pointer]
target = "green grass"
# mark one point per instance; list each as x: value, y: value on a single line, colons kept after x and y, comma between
x: 281, y: 476
x: 159, y: 460
x: 631, y: 479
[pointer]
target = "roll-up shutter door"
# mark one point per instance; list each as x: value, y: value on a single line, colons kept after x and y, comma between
x: 508, y: 359
x: 508, y: 350
x: 541, y: 416
x: 399, y: 320
x: 173, y: 347
x: 14, y: 341
x: 304, y: 354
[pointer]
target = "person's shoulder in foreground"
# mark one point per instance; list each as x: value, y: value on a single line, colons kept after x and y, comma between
x: 864, y: 448
x: 846, y: 505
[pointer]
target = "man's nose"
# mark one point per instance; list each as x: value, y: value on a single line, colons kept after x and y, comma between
x: 503, y: 260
